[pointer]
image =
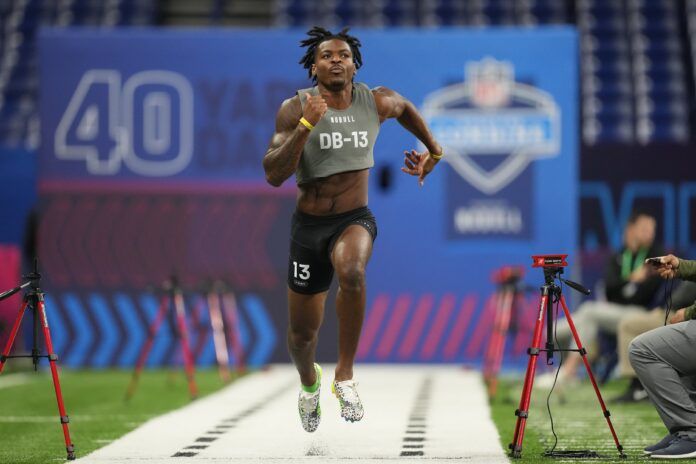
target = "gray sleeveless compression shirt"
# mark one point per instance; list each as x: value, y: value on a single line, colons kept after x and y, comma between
x: 342, y: 140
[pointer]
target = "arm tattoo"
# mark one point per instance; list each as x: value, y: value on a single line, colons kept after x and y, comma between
x: 283, y: 155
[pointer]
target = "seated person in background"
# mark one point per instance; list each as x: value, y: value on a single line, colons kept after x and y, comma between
x: 635, y: 324
x: 630, y: 288
x: 664, y: 361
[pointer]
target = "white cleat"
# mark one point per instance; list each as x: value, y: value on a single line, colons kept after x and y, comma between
x: 308, y: 405
x: 347, y: 394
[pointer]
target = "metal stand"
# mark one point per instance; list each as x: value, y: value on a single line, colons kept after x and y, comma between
x: 222, y: 308
x: 34, y: 301
x: 231, y: 324
x: 550, y: 294
x: 218, y: 329
x: 173, y: 294
x: 506, y: 296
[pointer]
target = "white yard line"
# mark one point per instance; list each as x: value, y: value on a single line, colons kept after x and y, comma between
x: 73, y: 418
x: 11, y: 380
x: 433, y: 413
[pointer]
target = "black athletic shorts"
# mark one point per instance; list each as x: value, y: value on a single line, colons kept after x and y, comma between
x: 311, y: 240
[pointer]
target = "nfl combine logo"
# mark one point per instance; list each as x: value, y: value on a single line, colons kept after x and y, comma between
x: 490, y: 114
x: 492, y: 128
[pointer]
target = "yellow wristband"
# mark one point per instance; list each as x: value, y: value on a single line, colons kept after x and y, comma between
x: 306, y: 123
x: 437, y: 157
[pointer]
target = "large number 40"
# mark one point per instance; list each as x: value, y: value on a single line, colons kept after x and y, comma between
x: 147, y: 123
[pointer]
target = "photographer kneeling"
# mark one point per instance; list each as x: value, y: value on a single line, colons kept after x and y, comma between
x: 665, y: 362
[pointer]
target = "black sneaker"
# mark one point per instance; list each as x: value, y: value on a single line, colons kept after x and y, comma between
x: 680, y: 448
x: 664, y: 443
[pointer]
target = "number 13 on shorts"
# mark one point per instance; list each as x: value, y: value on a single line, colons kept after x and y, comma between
x: 300, y: 270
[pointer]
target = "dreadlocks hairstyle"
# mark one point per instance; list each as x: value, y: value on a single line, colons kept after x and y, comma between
x: 317, y: 35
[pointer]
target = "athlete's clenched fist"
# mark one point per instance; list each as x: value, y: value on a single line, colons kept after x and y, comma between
x: 314, y: 109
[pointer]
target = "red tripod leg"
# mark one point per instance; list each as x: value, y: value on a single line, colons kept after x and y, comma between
x: 199, y: 328
x: 147, y: 346
x: 523, y: 411
x: 186, y: 350
x: 233, y: 333
x: 499, y: 348
x: 583, y: 353
x: 13, y: 335
x: 219, y: 341
x: 52, y: 358
x: 488, y: 358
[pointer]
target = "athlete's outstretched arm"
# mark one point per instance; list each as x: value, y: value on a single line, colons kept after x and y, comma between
x: 284, y: 151
x: 392, y: 105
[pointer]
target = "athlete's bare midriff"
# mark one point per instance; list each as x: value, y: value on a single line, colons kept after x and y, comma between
x: 334, y: 194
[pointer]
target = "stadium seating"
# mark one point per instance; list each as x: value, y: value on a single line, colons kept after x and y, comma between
x: 19, y: 23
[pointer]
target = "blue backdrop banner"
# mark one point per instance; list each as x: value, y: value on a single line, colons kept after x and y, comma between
x: 150, y: 161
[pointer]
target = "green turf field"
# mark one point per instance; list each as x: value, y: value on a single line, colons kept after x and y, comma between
x: 579, y: 422
x: 94, y: 400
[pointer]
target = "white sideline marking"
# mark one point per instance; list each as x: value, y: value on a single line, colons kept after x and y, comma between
x: 11, y: 380
x: 73, y: 418
x: 458, y: 422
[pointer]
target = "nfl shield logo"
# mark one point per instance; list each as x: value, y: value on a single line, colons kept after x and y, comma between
x: 491, y: 82
x: 490, y: 115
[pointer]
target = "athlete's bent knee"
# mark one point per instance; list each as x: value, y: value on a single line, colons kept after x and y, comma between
x: 301, y: 338
x: 351, y: 277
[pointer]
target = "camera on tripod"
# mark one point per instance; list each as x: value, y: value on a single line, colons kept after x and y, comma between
x: 553, y: 267
x: 550, y: 261
x: 552, y: 293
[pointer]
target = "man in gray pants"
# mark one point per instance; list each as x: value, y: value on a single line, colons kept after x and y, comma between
x: 633, y: 325
x: 664, y: 361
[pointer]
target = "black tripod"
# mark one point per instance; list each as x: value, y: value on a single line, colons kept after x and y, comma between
x: 551, y: 293
x: 34, y: 300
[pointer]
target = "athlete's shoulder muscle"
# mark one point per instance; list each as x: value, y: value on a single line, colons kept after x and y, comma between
x: 389, y: 103
x: 287, y: 118
x: 289, y: 114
